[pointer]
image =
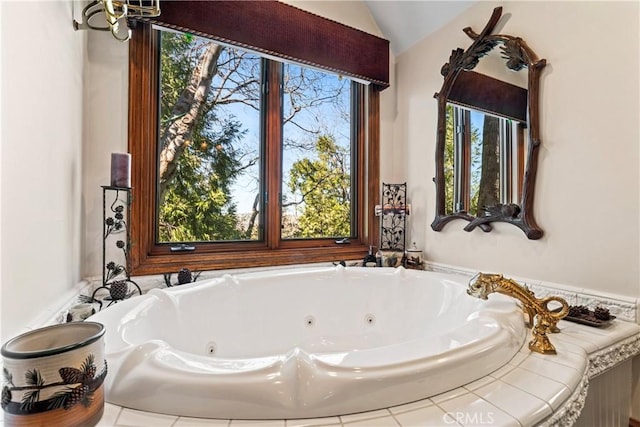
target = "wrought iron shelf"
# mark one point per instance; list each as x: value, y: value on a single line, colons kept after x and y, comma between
x: 393, y: 213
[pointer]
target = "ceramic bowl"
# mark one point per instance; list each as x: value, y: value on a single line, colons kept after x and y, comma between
x: 54, y: 376
x: 391, y: 258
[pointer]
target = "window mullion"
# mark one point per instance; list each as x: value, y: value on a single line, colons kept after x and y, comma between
x: 272, y: 116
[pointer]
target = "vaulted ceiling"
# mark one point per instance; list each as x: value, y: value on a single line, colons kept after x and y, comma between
x: 406, y: 22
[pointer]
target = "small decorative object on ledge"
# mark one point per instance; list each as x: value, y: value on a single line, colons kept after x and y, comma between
x: 184, y: 276
x: 393, y: 224
x: 370, y: 260
x: 54, y: 376
x: 545, y: 319
x: 598, y: 317
x: 414, y: 258
x: 116, y: 277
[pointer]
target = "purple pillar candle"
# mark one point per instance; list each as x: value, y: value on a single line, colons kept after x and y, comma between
x: 120, y: 170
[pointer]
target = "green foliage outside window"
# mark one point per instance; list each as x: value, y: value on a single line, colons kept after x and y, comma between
x: 219, y: 147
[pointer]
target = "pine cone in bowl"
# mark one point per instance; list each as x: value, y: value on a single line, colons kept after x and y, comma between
x: 578, y: 311
x: 602, y: 313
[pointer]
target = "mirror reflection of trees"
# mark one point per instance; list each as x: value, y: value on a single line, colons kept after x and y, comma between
x: 489, y: 186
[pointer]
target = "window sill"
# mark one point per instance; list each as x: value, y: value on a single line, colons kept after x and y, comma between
x: 164, y: 261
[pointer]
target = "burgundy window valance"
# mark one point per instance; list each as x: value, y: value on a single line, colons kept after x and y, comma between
x: 282, y: 31
x: 484, y: 93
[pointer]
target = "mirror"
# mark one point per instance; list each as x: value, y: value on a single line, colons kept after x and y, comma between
x: 488, y: 133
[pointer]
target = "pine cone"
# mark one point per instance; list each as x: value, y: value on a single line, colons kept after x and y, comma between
x: 574, y: 311
x: 89, y: 373
x: 70, y: 375
x: 579, y: 311
x: 118, y: 290
x: 75, y: 395
x: 184, y: 276
x: 6, y: 396
x: 601, y: 313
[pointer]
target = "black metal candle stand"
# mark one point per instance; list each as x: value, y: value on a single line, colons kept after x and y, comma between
x: 116, y: 276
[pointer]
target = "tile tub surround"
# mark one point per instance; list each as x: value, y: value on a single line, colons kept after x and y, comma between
x: 530, y: 390
x: 624, y: 308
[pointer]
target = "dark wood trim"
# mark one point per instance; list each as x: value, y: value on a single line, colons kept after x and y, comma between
x: 273, y: 155
x: 284, y: 31
x: 634, y: 423
x: 147, y: 257
x: 474, y: 90
x: 373, y: 166
x: 358, y: 112
x: 520, y: 157
x: 143, y: 72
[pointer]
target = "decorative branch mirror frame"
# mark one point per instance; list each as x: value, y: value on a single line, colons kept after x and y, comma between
x: 518, y: 56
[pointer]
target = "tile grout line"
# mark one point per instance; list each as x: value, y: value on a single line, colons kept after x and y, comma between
x: 446, y: 413
x: 550, y: 378
x: 394, y: 418
x: 531, y: 394
x: 118, y: 415
x: 497, y: 407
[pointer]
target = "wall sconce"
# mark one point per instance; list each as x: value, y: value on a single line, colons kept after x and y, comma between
x: 116, y: 13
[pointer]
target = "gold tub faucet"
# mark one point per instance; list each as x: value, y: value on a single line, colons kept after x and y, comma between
x: 536, y: 308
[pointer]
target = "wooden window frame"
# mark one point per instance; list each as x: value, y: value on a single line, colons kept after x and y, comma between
x: 149, y: 257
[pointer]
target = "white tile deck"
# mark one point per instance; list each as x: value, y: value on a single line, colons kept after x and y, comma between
x: 548, y: 390
x: 525, y: 407
x: 426, y: 416
x: 472, y: 410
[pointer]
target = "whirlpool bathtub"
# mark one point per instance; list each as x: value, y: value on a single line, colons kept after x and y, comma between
x: 300, y: 343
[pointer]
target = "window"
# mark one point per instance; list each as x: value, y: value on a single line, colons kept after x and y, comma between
x: 483, y: 161
x: 209, y: 142
x: 257, y: 162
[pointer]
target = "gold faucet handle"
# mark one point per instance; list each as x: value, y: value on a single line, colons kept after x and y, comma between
x: 555, y: 313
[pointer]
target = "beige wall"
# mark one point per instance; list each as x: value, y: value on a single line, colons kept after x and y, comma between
x: 105, y: 132
x: 41, y: 184
x: 587, y: 197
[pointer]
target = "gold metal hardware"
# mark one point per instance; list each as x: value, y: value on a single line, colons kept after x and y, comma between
x: 115, y: 14
x: 536, y: 308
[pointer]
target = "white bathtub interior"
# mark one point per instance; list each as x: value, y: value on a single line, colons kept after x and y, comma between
x: 304, y: 342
